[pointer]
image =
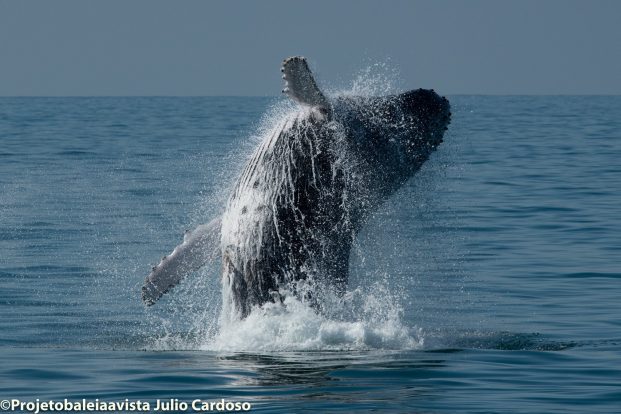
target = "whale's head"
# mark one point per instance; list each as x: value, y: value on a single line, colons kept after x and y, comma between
x: 392, y: 136
x: 425, y: 117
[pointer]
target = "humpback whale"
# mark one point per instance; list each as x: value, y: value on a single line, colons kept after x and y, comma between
x: 306, y: 192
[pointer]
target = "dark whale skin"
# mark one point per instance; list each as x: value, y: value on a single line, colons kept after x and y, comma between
x: 310, y: 187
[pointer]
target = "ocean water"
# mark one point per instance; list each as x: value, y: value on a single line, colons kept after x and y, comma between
x: 490, y: 283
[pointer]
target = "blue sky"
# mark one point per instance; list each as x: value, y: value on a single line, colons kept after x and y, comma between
x: 154, y: 47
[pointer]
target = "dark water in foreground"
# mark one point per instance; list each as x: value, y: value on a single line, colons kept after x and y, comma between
x: 490, y: 283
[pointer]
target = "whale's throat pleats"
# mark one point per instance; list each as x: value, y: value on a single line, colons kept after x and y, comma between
x: 286, y: 224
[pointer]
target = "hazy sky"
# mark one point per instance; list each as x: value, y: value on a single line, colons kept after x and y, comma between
x: 156, y: 47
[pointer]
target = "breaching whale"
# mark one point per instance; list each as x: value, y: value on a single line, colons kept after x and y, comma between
x: 306, y: 192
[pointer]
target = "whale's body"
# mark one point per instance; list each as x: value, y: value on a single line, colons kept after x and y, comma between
x: 306, y: 192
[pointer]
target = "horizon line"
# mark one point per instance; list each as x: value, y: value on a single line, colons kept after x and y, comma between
x: 278, y: 96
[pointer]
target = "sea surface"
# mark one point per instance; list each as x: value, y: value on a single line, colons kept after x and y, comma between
x: 491, y: 283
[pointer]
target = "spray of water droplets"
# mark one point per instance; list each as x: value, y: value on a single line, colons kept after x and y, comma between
x: 368, y: 316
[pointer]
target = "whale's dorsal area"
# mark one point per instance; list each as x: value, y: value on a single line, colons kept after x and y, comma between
x: 300, y: 84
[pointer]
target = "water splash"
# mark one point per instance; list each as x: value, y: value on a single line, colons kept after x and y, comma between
x: 363, y: 320
x: 367, y: 317
x: 376, y: 79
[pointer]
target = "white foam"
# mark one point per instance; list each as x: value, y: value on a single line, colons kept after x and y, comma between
x: 361, y: 322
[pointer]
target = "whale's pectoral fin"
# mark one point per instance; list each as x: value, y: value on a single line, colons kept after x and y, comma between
x: 300, y: 84
x: 199, y: 247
